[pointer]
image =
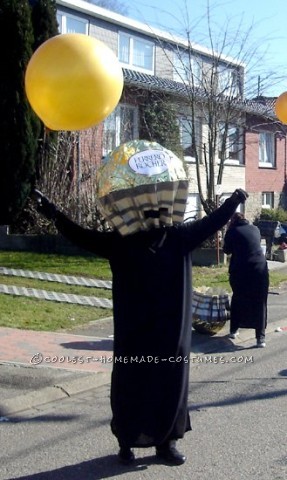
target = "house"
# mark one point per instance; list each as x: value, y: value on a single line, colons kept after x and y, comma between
x: 265, y: 156
x: 197, y: 88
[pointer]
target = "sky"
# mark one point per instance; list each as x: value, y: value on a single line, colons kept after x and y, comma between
x: 264, y: 52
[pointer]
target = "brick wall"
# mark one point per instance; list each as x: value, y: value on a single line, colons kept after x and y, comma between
x: 260, y: 179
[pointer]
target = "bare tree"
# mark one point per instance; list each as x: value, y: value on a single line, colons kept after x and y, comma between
x: 55, y: 178
x: 215, y: 84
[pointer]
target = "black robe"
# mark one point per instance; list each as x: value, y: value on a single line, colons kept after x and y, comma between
x: 152, y: 296
x: 248, y: 276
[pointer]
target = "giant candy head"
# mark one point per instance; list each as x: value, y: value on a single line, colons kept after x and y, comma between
x: 142, y: 185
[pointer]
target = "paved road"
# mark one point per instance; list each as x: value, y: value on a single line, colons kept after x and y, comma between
x: 58, y: 427
x: 68, y: 356
x: 237, y: 401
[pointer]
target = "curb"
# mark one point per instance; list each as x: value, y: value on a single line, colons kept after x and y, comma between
x: 56, y: 296
x: 90, y: 381
x: 52, y: 393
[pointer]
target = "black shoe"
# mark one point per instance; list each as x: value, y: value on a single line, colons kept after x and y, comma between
x: 170, y: 454
x: 126, y: 456
x: 260, y: 343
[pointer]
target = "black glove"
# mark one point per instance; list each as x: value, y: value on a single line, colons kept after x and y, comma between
x: 44, y: 206
x: 239, y: 196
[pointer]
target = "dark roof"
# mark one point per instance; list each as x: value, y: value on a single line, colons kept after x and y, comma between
x: 263, y: 106
x: 151, y: 82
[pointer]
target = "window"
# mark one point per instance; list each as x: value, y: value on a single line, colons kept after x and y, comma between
x: 268, y: 200
x: 266, y: 149
x: 188, y: 143
x: 232, y: 150
x: 192, y: 207
x: 71, y: 23
x: 120, y: 127
x: 136, y: 52
x: 227, y: 81
x: 187, y: 68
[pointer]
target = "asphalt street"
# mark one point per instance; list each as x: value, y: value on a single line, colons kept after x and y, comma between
x: 237, y: 401
x: 55, y: 423
x: 23, y: 386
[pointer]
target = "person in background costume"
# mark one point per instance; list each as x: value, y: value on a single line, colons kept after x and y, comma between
x: 142, y: 190
x: 248, y: 276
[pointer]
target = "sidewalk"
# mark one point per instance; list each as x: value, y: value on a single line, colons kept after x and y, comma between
x: 76, y: 361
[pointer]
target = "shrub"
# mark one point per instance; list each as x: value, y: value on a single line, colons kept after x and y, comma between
x: 274, y: 214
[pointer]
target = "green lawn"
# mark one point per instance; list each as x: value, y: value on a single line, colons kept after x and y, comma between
x: 34, y: 314
x: 87, y: 266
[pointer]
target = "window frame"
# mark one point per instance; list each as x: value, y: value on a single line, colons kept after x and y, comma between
x: 187, y: 68
x: 62, y: 22
x: 131, y: 52
x: 116, y: 117
x: 227, y: 80
x: 265, y: 163
x: 265, y: 204
x: 181, y: 118
x: 230, y: 145
x: 192, y: 209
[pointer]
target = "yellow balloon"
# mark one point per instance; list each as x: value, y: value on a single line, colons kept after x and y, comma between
x: 281, y: 107
x: 73, y: 82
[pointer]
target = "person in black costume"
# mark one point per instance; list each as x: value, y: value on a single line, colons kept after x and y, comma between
x: 248, y: 276
x: 152, y: 307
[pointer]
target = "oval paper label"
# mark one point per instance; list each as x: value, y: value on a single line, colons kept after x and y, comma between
x: 150, y: 162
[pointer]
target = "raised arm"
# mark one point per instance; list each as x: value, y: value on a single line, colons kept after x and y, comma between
x: 196, y: 232
x: 93, y: 241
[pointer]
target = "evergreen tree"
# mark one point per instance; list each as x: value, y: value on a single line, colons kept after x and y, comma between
x: 44, y: 20
x: 19, y: 127
x: 45, y: 26
x: 44, y: 23
x: 159, y: 122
